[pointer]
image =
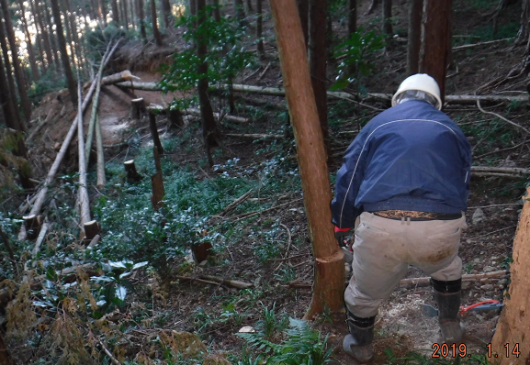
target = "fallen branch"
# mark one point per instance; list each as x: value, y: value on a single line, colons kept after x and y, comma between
x: 505, y: 170
x: 467, y: 46
x: 40, y: 239
x: 256, y: 136
x: 84, y: 202
x: 233, y: 283
x: 235, y: 203
x: 499, y: 151
x: 501, y: 117
x: 197, y: 112
x: 109, y: 354
x: 251, y: 214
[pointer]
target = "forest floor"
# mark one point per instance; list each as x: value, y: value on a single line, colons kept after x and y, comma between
x: 401, y: 327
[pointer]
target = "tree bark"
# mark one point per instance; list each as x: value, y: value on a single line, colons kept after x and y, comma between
x: 101, y: 179
x: 125, y: 14
x: 31, y: 52
x: 414, y: 36
x: 317, y: 64
x: 303, y: 13
x: 387, y: 23
x: 64, y: 55
x: 103, y: 11
x: 44, y: 33
x: 115, y: 12
x: 436, y: 30
x: 70, y: 19
x: 329, y: 259
x: 210, y: 131
x: 19, y: 75
x: 352, y: 16
x: 249, y: 6
x: 154, y: 133
x: 259, y: 28
x: 154, y: 20
x: 217, y: 10
x: 53, y: 37
x: 512, y: 328
x: 69, y: 36
x: 84, y: 202
x: 141, y: 16
x: 6, y: 101
x: 165, y: 6
x: 10, y: 91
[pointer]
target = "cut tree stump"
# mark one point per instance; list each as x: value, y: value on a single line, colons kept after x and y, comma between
x: 92, y: 229
x: 175, y: 118
x: 154, y: 133
x: 130, y: 169
x: 32, y: 223
x: 138, y: 108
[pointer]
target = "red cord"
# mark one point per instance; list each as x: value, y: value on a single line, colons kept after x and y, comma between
x: 464, y: 310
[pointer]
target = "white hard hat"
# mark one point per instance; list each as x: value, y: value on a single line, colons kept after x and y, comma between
x: 421, y: 82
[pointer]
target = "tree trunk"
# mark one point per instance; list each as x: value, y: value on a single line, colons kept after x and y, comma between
x: 259, y: 28
x: 115, y: 12
x: 29, y: 44
x: 71, y: 21
x: 141, y: 16
x: 165, y: 6
x: 387, y: 23
x: 53, y: 37
x: 436, y: 29
x: 125, y: 14
x: 69, y: 35
x: 6, y: 100
x: 512, y: 329
x: 317, y: 64
x: 44, y: 33
x: 38, y: 38
x: 329, y: 259
x: 249, y: 6
x: 64, y: 56
x: 156, y: 32
x: 103, y: 11
x: 154, y: 133
x: 84, y: 202
x: 303, y: 12
x: 240, y: 11
x: 19, y: 75
x: 101, y: 179
x: 210, y: 131
x: 414, y: 36
x: 11, y: 92
x: 372, y: 7
x: 352, y: 16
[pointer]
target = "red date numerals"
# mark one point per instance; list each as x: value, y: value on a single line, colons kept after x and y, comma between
x: 446, y: 350
x: 514, y: 350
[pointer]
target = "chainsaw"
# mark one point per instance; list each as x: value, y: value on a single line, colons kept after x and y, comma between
x: 429, y: 311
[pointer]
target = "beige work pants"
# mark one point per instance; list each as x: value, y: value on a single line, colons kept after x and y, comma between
x: 384, y: 248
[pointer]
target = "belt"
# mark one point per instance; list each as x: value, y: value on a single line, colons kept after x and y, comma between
x: 416, y: 216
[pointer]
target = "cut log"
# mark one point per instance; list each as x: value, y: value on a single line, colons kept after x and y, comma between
x: 201, y: 251
x: 233, y: 283
x: 101, y: 179
x: 154, y: 133
x: 504, y: 170
x: 137, y: 108
x: 92, y: 229
x: 130, y: 169
x: 157, y: 184
x: 118, y: 78
x: 32, y: 223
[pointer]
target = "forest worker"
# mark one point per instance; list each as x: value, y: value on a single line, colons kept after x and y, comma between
x: 406, y: 177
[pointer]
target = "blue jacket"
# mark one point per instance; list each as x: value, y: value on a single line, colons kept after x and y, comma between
x: 410, y: 157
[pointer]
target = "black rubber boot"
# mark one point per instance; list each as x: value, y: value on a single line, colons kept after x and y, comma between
x: 358, y: 344
x: 447, y: 294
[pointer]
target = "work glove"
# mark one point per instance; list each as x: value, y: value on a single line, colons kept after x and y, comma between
x: 341, y: 234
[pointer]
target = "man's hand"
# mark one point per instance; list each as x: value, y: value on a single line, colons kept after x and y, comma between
x: 341, y: 234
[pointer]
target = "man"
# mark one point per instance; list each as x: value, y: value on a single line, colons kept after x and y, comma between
x: 406, y: 178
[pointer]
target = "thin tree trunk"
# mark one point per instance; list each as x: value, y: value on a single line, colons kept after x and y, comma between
x: 217, y: 10
x: 329, y: 260
x: 133, y: 12
x: 39, y: 39
x: 303, y: 12
x: 71, y: 21
x: 69, y: 35
x: 101, y: 179
x: 141, y: 16
x: 6, y: 100
x: 44, y: 33
x: 387, y: 23
x: 84, y: 202
x: 259, y: 28
x: 29, y: 44
x: 249, y: 6
x: 414, y: 36
x: 156, y: 32
x: 53, y: 38
x: 103, y: 11
x: 352, y: 16
x: 19, y: 75
x: 240, y: 11
x: 11, y: 91
x: 210, y: 131
x: 115, y: 12
x: 436, y: 29
x: 125, y: 14
x: 64, y: 56
x: 317, y: 64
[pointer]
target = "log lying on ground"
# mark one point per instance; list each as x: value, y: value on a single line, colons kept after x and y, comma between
x: 504, y: 170
x: 456, y: 99
x: 41, y: 195
x: 119, y: 77
x: 212, y: 280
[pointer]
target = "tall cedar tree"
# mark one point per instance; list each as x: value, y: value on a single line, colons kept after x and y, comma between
x: 437, y: 32
x: 103, y: 11
x: 240, y: 11
x: 19, y: 75
x: 29, y: 44
x: 140, y: 14
x: 6, y: 100
x: 317, y: 63
x: 72, y: 84
x: 69, y: 36
x: 43, y: 31
x: 9, y: 74
x: 165, y: 6
x: 387, y: 23
x: 210, y: 131
x: 216, y: 10
x: 328, y: 289
x: 154, y: 20
x: 414, y: 36
x: 115, y: 12
x: 53, y: 36
x: 259, y: 28
x: 125, y: 14
x: 249, y: 6
x: 352, y: 16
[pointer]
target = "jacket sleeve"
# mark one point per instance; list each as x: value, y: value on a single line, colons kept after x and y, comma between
x: 349, y: 179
